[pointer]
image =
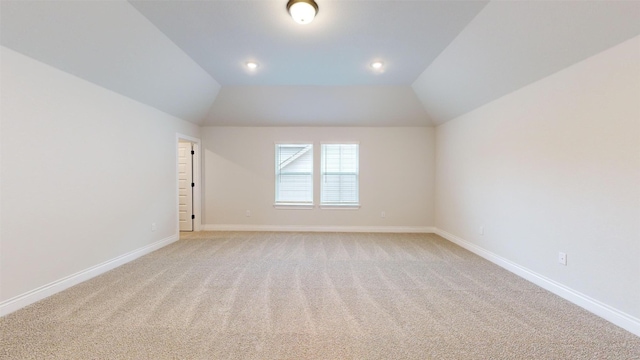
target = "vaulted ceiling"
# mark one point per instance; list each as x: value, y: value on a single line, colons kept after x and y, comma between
x: 441, y: 58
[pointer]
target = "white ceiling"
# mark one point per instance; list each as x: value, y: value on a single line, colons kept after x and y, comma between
x: 511, y: 44
x: 442, y: 58
x: 112, y: 45
x: 317, y: 106
x: 336, y: 49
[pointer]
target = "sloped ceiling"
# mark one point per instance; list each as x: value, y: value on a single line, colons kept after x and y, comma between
x: 317, y: 106
x: 441, y: 58
x: 511, y: 44
x: 112, y: 45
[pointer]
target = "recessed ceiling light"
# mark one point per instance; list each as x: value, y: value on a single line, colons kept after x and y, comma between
x: 252, y: 65
x: 376, y: 65
x: 302, y: 11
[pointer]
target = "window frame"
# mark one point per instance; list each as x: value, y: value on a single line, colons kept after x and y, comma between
x: 292, y: 204
x: 334, y: 205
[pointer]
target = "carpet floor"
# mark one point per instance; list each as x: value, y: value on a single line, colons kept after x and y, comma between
x: 253, y: 295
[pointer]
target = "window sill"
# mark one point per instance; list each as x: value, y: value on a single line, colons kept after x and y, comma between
x: 285, y: 206
x: 340, y: 207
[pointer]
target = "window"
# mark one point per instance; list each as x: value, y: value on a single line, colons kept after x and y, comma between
x: 339, y: 175
x: 294, y: 174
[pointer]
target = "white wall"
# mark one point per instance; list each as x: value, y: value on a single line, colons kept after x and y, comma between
x: 552, y: 167
x: 396, y: 176
x: 85, y: 172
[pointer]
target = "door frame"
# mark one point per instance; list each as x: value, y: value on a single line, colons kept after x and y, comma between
x: 197, y: 179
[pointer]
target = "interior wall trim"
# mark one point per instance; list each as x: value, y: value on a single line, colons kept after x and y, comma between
x: 320, y: 228
x: 18, y: 302
x: 609, y: 313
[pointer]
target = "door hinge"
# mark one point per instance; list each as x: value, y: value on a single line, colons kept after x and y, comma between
x: 193, y: 184
x: 193, y: 216
x: 193, y: 152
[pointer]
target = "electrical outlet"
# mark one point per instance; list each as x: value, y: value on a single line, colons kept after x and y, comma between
x: 247, y: 213
x: 154, y: 227
x: 383, y: 214
x: 562, y: 258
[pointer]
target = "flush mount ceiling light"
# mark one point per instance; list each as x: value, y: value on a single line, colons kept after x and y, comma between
x: 302, y: 11
x: 376, y: 65
x: 252, y: 65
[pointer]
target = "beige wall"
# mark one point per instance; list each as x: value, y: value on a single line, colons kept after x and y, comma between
x: 552, y: 167
x: 85, y: 172
x: 396, y: 176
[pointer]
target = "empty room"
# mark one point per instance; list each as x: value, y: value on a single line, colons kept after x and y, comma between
x: 319, y: 179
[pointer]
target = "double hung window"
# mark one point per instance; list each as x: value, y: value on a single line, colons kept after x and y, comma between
x: 294, y: 174
x: 339, y: 175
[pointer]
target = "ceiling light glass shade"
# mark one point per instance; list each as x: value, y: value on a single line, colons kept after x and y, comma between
x: 376, y: 65
x: 302, y: 11
x: 252, y: 65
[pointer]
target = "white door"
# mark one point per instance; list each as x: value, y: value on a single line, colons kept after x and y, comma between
x: 185, y: 188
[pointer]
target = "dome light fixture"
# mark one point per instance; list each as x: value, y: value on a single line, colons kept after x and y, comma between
x: 302, y: 11
x: 376, y: 65
x: 252, y: 65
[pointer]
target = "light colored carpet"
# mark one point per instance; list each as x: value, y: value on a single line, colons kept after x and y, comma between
x: 232, y: 295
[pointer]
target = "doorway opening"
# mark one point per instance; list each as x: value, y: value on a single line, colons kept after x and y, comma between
x: 188, y: 173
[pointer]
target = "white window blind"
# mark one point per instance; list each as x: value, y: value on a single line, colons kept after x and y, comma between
x: 339, y: 174
x: 294, y: 174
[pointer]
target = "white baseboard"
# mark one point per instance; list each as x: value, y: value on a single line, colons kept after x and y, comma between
x: 615, y: 316
x: 296, y: 228
x: 18, y: 302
